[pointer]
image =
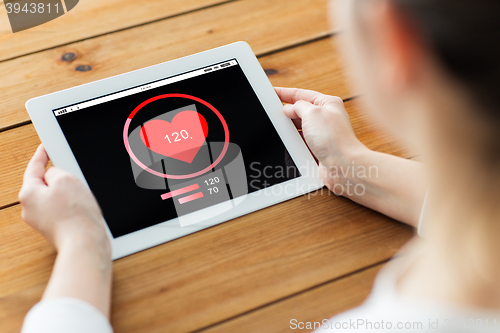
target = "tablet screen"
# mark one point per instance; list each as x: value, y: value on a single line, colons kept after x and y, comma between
x: 174, y: 147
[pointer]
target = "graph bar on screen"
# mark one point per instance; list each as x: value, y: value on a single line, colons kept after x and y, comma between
x: 191, y: 197
x: 180, y: 191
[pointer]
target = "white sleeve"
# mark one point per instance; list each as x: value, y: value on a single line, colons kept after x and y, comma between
x: 62, y: 315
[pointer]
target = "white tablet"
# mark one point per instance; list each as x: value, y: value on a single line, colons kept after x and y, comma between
x: 177, y: 147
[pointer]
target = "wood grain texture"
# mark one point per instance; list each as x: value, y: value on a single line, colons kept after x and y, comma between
x: 372, y: 134
x: 316, y: 66
x: 19, y: 144
x: 265, y: 25
x: 90, y: 18
x: 313, y: 306
x: 24, y: 269
x: 215, y: 274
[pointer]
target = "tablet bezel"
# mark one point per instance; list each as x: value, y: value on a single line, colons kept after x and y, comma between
x: 41, y: 109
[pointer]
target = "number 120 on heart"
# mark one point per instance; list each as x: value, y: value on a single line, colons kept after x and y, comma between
x: 178, y: 137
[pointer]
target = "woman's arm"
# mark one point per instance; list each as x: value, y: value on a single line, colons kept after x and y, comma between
x: 393, y: 186
x: 63, y: 210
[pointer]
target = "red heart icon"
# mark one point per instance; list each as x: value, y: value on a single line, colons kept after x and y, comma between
x: 180, y: 139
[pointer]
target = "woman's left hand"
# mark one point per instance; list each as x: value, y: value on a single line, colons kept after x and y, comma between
x: 58, y: 205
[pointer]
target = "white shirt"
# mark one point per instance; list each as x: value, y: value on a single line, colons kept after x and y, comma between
x: 65, y: 315
x: 385, y: 310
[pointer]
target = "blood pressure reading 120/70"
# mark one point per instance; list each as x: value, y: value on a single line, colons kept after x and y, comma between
x: 212, y: 181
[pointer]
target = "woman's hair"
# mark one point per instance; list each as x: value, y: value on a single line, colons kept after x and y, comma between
x: 464, y: 35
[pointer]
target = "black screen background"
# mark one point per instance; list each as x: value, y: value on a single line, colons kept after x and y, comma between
x: 95, y: 135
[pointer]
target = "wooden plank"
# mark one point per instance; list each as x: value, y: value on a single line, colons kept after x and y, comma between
x: 88, y: 19
x: 266, y: 25
x: 371, y: 134
x: 24, y: 250
x: 216, y: 274
x: 19, y: 144
x: 316, y: 66
x: 311, y: 306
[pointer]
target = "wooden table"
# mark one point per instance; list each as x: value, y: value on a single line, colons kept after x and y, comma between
x: 305, y: 259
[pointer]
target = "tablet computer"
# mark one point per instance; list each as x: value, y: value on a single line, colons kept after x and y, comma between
x: 174, y: 148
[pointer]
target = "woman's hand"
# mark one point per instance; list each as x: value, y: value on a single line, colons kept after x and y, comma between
x: 58, y: 205
x: 391, y: 185
x: 65, y: 212
x: 326, y: 128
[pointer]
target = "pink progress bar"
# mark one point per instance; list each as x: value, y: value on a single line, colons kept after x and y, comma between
x: 180, y: 191
x: 191, y: 197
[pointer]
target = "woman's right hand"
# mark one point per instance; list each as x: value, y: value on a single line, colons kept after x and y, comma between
x: 326, y: 129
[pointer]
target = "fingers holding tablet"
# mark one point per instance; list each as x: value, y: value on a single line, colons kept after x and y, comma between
x: 325, y: 124
x: 35, y: 170
x: 56, y: 203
